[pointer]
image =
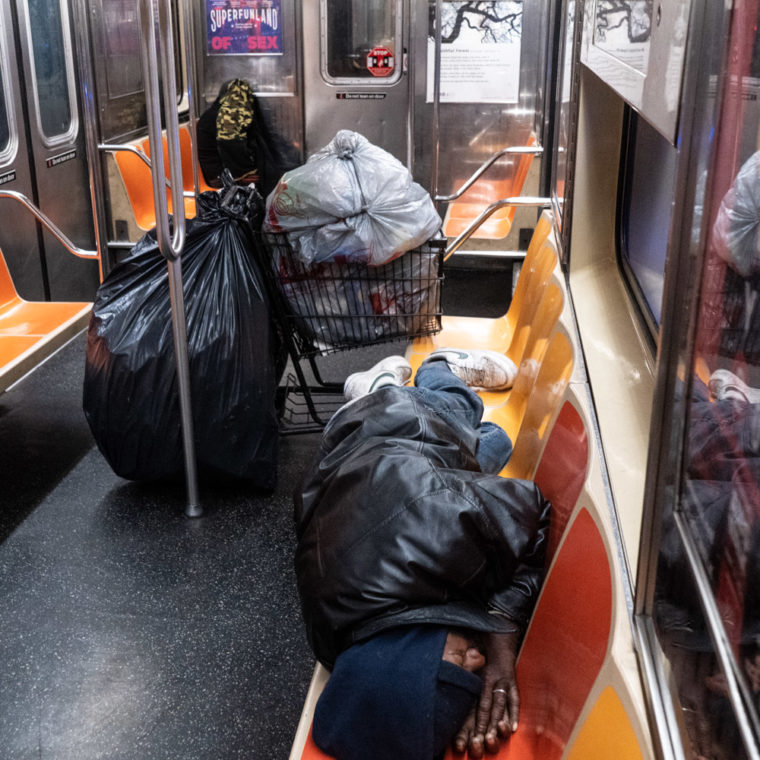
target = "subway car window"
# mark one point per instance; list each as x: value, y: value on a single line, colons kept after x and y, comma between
x: 707, y: 596
x: 5, y: 128
x: 563, y: 126
x: 52, y: 67
x: 649, y: 166
x: 361, y: 40
x: 122, y: 41
x: 118, y: 66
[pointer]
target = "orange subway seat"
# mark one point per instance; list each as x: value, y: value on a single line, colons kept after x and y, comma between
x: 463, y: 211
x: 138, y: 183
x: 189, y: 202
x: 36, y: 318
x: 12, y: 346
x: 564, y: 647
x: 20, y: 318
x: 25, y: 325
x: 562, y: 470
x: 312, y: 752
x: 526, y: 415
x: 185, y: 147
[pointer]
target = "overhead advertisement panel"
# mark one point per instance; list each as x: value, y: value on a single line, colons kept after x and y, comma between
x: 480, y: 52
x: 243, y: 27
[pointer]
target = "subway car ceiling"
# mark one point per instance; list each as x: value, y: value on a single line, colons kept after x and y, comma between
x: 647, y: 117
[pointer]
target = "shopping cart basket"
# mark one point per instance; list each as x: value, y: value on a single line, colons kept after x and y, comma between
x: 339, y: 305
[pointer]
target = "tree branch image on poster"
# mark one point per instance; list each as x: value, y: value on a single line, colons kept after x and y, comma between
x: 480, y: 52
x: 623, y: 28
x: 243, y: 27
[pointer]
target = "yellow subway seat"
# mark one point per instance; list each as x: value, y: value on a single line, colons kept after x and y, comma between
x: 538, y: 408
x: 606, y: 732
x: 510, y: 333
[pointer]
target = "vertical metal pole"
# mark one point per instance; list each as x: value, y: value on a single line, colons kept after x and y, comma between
x: 436, y: 100
x: 179, y: 329
x: 409, y: 40
x: 170, y: 243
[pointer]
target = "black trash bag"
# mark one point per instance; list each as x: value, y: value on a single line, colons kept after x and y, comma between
x: 130, y: 389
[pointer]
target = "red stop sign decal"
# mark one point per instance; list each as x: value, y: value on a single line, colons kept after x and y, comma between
x: 380, y: 62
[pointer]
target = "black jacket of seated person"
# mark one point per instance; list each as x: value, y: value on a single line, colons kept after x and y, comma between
x: 398, y: 526
x: 233, y: 134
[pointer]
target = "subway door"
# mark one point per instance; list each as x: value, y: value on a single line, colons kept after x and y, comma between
x: 18, y: 231
x: 56, y: 137
x: 354, y: 78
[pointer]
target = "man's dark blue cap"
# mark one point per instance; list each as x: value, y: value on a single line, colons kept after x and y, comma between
x: 392, y: 697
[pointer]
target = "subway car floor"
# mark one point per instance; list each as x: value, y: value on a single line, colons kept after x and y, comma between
x: 128, y: 630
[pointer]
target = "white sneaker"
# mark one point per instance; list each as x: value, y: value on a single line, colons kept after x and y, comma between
x: 726, y: 386
x: 489, y: 370
x: 393, y: 370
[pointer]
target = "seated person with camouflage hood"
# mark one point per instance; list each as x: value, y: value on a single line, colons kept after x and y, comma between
x: 233, y: 134
x: 418, y: 566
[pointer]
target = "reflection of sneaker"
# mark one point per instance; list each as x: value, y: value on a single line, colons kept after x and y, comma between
x: 393, y: 370
x: 726, y: 386
x: 479, y: 369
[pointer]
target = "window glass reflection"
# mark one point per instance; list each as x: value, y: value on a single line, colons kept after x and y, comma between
x: 122, y: 43
x: 718, y: 504
x: 50, y: 67
x: 706, y: 711
x: 361, y: 39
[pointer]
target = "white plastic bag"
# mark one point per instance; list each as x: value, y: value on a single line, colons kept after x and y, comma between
x: 351, y: 201
x: 735, y: 232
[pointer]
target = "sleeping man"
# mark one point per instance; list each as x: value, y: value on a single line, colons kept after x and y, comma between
x: 418, y: 566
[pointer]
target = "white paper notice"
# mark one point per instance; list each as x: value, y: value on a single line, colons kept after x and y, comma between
x: 480, y: 53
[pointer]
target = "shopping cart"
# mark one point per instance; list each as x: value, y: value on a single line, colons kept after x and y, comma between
x: 341, y: 305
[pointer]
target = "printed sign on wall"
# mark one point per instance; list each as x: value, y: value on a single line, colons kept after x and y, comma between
x: 480, y: 52
x: 243, y: 27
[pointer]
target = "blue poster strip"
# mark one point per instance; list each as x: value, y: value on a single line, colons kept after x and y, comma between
x: 243, y: 27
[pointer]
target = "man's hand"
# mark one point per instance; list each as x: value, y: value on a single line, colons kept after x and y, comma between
x: 498, y: 709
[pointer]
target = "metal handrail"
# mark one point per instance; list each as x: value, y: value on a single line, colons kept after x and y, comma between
x: 518, y: 201
x: 518, y: 150
x: 116, y: 147
x: 170, y: 243
x: 82, y: 253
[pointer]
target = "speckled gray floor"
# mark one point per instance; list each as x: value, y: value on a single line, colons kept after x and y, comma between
x: 128, y: 631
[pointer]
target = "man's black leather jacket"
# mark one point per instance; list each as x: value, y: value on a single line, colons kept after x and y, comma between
x: 397, y: 525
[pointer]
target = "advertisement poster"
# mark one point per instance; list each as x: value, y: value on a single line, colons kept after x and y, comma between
x: 623, y: 28
x: 480, y: 52
x: 243, y: 27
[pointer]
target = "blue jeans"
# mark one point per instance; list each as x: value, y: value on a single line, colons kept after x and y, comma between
x: 440, y: 389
